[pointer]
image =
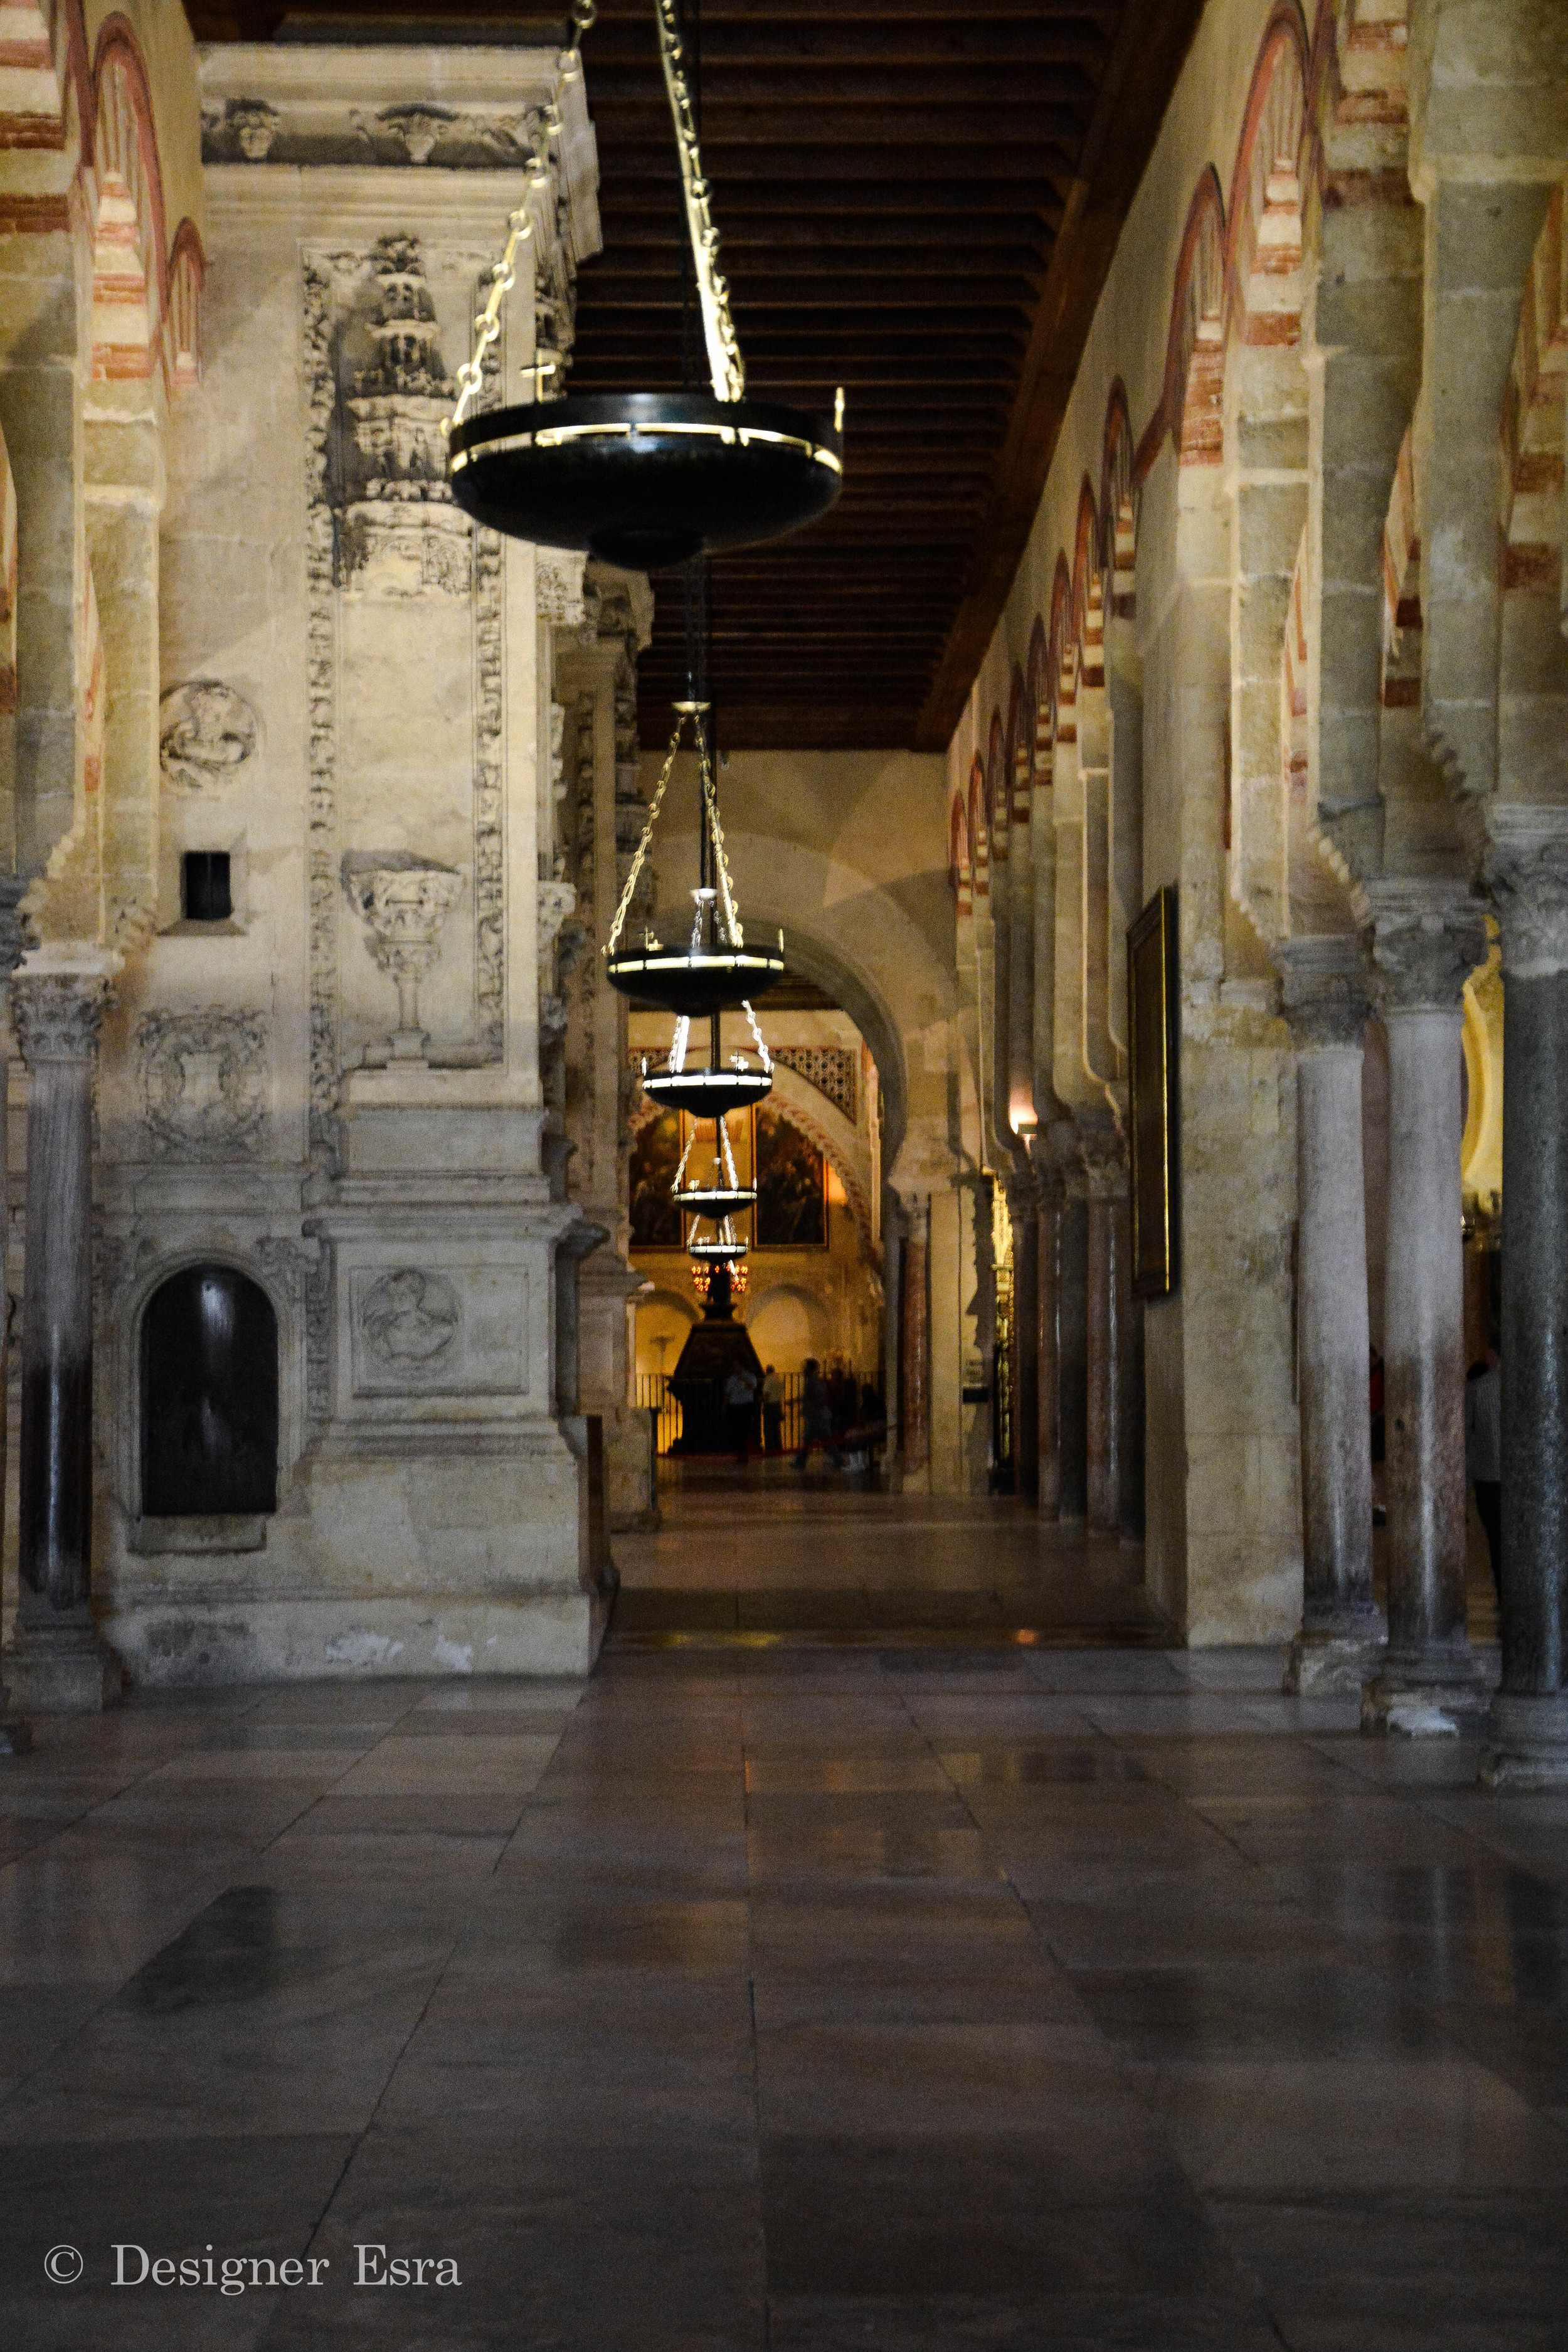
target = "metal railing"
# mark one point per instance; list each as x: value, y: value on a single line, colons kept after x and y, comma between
x: 656, y: 1396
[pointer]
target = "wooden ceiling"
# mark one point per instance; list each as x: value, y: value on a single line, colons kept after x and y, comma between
x: 918, y: 200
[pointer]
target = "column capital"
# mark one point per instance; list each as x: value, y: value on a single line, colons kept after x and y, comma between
x: 1526, y: 868
x: 1104, y: 1154
x: 58, y: 1014
x: 1427, y: 939
x: 14, y: 941
x: 1326, y: 992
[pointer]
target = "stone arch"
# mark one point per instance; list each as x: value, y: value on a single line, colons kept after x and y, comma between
x: 958, y: 862
x: 1037, y: 704
x: 1118, y: 506
x: 997, y: 795
x: 1190, y: 407
x: 979, y: 847
x: 130, y: 263
x: 1266, y: 188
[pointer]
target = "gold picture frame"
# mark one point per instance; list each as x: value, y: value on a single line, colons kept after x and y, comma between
x: 1153, y: 1028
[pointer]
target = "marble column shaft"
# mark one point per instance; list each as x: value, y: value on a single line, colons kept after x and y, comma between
x: 1430, y: 1677
x: 1025, y: 1348
x: 1342, y: 1631
x: 1528, y: 1744
x: 914, y: 1404
x: 58, y: 1661
x: 1048, y: 1454
x: 1072, y: 1362
x: 1102, y: 1481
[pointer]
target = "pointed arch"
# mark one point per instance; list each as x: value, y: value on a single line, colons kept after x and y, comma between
x: 958, y: 860
x: 1020, y: 749
x: 1084, y: 555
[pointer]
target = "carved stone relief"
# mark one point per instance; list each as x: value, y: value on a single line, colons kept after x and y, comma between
x: 205, y: 731
x: 400, y: 532
x: 403, y: 902
x: 409, y: 1320
x: 203, y: 1077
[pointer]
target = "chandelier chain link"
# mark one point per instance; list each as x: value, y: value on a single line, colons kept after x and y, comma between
x: 642, y: 849
x: 725, y: 364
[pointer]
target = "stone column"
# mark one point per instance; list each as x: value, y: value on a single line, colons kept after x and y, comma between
x: 914, y: 1403
x: 59, y: 1661
x: 1025, y: 1338
x: 1072, y: 1351
x: 1102, y: 1467
x: 1526, y: 1745
x: 1428, y: 938
x: 1049, y: 1454
x: 1327, y: 1002
x: 16, y: 1734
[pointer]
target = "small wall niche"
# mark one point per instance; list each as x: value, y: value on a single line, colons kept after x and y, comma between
x: 206, y: 892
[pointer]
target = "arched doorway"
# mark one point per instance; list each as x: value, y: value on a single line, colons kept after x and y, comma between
x: 209, y: 1397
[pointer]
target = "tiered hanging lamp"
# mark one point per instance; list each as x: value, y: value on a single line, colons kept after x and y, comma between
x: 644, y: 479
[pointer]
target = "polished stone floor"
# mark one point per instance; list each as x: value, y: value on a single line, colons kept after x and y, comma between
x: 992, y: 1996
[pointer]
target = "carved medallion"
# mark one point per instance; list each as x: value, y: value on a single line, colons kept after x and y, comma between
x: 204, y: 1083
x: 205, y: 731
x: 409, y: 1320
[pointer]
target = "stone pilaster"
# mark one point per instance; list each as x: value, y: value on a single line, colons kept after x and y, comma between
x: 1326, y: 1000
x: 1427, y: 939
x: 914, y: 1305
x: 1528, y: 874
x: 58, y: 1662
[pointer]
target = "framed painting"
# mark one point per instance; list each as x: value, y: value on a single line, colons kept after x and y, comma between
x: 792, y: 1185
x: 656, y: 1156
x: 1154, y: 1027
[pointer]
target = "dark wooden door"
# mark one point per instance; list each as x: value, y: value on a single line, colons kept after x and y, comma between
x: 209, y: 1397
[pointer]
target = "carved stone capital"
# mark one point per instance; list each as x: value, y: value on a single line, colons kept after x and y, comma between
x: 1427, y: 939
x: 1526, y: 875
x: 14, y: 940
x: 1326, y: 992
x: 58, y: 1016
x: 1103, y: 1153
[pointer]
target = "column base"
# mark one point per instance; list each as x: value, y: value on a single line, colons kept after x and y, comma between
x: 1439, y: 1697
x: 64, y: 1670
x: 1330, y: 1661
x: 1526, y: 1743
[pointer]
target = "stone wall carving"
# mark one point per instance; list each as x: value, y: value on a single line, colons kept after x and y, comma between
x: 324, y: 284
x: 409, y: 1320
x: 403, y: 902
x: 400, y: 532
x: 490, y: 705
x: 58, y: 1016
x: 203, y: 1078
x: 422, y: 133
x: 205, y: 731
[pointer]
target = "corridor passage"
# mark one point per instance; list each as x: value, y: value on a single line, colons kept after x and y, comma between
x: 914, y: 2000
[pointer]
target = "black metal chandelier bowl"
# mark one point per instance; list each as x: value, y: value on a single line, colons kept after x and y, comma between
x: 642, y: 480
x: 706, y: 1094
x: 696, y: 982
x: 646, y: 479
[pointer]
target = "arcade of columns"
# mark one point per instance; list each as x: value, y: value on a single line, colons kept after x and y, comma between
x: 1288, y: 636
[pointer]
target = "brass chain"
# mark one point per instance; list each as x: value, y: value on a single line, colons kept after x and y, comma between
x: 642, y: 849
x: 520, y: 226
x: 725, y: 364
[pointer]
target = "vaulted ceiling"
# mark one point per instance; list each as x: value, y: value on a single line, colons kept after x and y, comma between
x: 918, y: 200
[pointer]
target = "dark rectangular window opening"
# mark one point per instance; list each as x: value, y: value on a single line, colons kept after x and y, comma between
x: 205, y: 894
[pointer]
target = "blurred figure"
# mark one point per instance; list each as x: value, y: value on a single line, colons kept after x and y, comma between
x: 816, y: 1417
x: 772, y: 1412
x: 740, y: 1404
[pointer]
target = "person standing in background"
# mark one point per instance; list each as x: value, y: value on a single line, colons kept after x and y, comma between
x: 1483, y: 1451
x: 772, y: 1412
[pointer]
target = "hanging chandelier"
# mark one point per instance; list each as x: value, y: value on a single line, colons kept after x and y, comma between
x: 642, y: 480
